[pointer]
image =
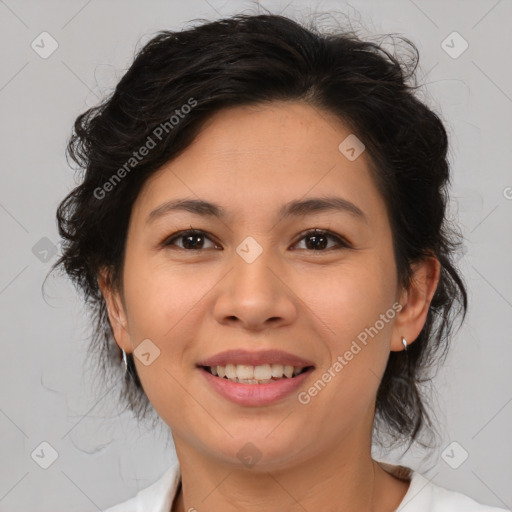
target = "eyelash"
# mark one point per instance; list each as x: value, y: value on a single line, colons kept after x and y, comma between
x: 342, y: 243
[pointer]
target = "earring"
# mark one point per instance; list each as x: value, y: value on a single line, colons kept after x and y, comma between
x: 404, y: 342
x: 125, y: 361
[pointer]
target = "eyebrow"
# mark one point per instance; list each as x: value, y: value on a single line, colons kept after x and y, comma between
x: 296, y: 208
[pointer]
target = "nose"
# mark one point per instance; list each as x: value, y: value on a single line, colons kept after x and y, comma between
x: 256, y: 296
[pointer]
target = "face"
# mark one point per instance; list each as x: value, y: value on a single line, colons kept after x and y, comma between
x: 250, y: 278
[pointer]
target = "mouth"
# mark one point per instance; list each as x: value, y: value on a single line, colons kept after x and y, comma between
x: 255, y: 378
x: 260, y: 374
x: 255, y: 386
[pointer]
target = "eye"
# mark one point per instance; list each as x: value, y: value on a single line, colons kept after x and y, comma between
x: 318, y: 240
x: 192, y: 239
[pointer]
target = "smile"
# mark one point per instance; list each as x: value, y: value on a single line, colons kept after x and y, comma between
x: 261, y: 374
x: 255, y: 392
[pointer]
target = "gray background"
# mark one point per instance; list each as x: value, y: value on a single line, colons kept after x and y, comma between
x: 47, y: 393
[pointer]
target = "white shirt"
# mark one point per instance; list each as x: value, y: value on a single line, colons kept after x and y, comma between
x: 422, y: 495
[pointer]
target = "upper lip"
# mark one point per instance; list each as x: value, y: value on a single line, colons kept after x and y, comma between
x: 255, y: 358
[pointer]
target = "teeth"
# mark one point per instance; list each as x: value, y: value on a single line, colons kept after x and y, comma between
x: 261, y: 374
x: 230, y: 371
x: 277, y: 370
x: 244, y: 371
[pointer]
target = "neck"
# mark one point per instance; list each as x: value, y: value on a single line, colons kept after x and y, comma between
x: 342, y: 475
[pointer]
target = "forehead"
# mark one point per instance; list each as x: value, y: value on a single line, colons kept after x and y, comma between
x: 285, y: 131
x: 254, y: 157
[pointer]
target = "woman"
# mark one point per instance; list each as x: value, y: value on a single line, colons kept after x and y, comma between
x: 261, y: 234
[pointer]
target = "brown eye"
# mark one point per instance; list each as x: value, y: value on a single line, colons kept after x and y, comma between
x: 318, y: 240
x: 193, y: 240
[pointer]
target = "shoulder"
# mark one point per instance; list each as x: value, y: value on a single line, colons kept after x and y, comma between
x: 425, y: 496
x: 158, y: 497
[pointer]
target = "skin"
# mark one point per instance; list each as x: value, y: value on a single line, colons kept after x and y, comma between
x: 194, y: 303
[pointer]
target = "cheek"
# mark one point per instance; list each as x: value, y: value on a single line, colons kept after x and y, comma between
x: 345, y: 388
x: 161, y: 302
x: 166, y: 304
x: 351, y: 296
x: 353, y: 305
x: 157, y: 295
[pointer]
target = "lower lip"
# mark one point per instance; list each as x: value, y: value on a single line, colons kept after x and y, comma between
x: 255, y: 394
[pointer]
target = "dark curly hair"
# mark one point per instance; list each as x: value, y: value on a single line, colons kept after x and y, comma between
x: 254, y: 59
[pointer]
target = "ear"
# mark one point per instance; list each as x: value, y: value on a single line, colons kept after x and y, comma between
x: 116, y: 311
x: 415, y: 302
